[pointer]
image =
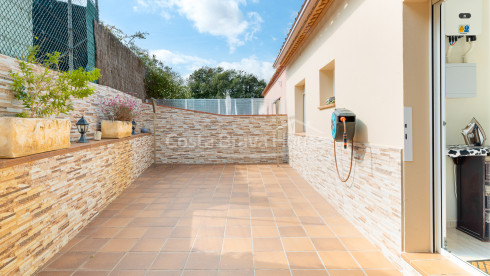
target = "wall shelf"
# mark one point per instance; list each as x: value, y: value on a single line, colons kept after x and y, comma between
x: 328, y: 106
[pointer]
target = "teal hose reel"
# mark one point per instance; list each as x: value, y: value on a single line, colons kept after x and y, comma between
x: 343, y: 129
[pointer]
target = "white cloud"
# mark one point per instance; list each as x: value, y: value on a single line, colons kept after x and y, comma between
x: 261, y: 69
x: 186, y: 64
x: 215, y: 17
x: 189, y: 63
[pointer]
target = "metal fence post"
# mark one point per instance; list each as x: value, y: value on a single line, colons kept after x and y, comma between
x: 97, y: 8
x: 70, y: 35
x: 252, y: 106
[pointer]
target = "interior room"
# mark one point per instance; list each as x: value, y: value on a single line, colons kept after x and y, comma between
x: 467, y: 118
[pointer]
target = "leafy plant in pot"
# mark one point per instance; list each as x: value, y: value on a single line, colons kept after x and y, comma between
x: 121, y: 111
x: 45, y: 92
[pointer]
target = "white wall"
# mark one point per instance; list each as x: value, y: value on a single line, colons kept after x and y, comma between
x: 459, y: 112
x: 368, y: 58
x: 278, y: 90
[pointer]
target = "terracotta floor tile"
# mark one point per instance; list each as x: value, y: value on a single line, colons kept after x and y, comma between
x: 103, y: 261
x: 105, y: 233
x: 158, y: 233
x: 292, y: 231
x: 141, y: 222
x: 270, y: 260
x: 389, y: 272
x: 328, y: 244
x: 304, y: 260
x: 202, y: 260
x: 333, y: 272
x: 267, y: 244
x: 211, y: 232
x: 237, y: 260
x: 237, y: 245
x: 91, y: 273
x: 131, y: 233
x: 69, y: 260
x: 208, y: 244
x: 200, y: 272
x: 178, y: 245
x: 372, y: 260
x: 297, y: 244
x: 310, y: 273
x: 165, y: 222
x: 89, y: 245
x: 338, y: 260
x: 238, y: 219
x: 319, y: 231
x: 358, y: 244
x: 265, y: 231
x: 127, y: 273
x: 238, y: 232
x: 117, y: 222
x: 148, y: 245
x: 164, y: 273
x: 271, y: 272
x: 170, y: 261
x: 241, y: 272
x: 184, y: 232
x: 118, y: 245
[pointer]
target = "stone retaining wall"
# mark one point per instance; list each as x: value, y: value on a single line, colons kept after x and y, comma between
x: 371, y: 199
x: 44, y: 203
x: 192, y: 137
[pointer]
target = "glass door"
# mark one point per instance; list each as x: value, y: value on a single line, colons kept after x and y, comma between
x: 461, y: 101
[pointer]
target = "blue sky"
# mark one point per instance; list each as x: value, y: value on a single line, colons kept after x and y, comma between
x: 188, y: 34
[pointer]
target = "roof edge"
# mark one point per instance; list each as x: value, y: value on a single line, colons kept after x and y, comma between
x: 308, y: 18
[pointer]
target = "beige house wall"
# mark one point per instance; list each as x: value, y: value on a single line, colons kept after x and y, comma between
x: 380, y: 66
x: 278, y: 90
x: 368, y: 58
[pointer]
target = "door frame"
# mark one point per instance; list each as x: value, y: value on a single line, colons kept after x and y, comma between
x: 438, y: 105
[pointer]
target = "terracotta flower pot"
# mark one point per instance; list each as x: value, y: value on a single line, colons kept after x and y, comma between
x: 115, y: 129
x: 25, y: 136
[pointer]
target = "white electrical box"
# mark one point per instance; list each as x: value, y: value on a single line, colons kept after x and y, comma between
x: 463, y: 17
x: 460, y: 80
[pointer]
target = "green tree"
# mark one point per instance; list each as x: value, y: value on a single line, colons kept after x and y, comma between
x: 213, y: 83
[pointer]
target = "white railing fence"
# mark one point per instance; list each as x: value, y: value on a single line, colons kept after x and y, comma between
x: 228, y: 106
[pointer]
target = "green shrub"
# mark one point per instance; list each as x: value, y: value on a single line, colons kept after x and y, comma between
x: 47, y: 91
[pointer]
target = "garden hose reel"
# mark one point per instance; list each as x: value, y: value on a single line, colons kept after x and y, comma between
x: 343, y: 129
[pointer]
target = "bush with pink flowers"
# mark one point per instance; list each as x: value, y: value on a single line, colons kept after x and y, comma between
x: 121, y: 108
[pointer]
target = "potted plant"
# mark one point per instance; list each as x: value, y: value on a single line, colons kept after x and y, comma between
x: 45, y: 92
x: 121, y: 110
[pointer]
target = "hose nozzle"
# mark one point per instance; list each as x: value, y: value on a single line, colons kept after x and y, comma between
x: 343, y: 120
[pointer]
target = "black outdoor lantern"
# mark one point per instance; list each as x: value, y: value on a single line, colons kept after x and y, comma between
x: 134, y: 127
x: 82, y: 126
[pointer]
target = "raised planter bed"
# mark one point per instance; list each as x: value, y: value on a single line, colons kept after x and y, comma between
x: 26, y: 136
x: 115, y: 129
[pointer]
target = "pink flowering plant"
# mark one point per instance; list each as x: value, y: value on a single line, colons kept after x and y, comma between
x: 121, y: 108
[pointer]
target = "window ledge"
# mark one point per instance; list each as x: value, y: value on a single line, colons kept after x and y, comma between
x: 301, y: 134
x: 328, y: 106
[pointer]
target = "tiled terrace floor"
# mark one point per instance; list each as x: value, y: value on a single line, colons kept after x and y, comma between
x: 219, y: 220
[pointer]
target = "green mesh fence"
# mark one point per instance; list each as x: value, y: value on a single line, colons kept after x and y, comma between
x: 64, y: 26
